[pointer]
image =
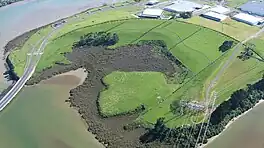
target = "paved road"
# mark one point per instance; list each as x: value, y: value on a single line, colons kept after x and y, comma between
x: 32, y: 61
x: 208, y: 95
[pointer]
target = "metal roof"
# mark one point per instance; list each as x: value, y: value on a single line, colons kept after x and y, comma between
x: 249, y: 19
x: 211, y: 14
x: 149, y: 12
x: 152, y: 2
x: 183, y: 6
x: 254, y: 7
x: 220, y: 9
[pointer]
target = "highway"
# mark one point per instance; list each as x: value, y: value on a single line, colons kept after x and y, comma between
x: 32, y: 61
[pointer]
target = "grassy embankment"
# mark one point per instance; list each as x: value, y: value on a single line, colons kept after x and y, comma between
x: 240, y: 73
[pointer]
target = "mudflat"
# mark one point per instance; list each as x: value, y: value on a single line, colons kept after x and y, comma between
x: 40, y: 117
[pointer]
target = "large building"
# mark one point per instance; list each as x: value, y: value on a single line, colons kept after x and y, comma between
x: 248, y: 19
x: 152, y: 2
x: 183, y: 6
x: 151, y: 13
x: 253, y: 7
x: 220, y: 10
x: 214, y: 16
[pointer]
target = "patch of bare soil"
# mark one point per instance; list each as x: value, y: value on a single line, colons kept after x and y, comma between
x: 63, y: 80
x: 100, y: 62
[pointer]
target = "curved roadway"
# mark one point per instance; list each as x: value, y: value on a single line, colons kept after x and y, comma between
x: 32, y: 61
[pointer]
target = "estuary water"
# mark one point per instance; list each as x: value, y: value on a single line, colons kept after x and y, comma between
x: 39, y: 117
x: 20, y: 17
x: 246, y: 132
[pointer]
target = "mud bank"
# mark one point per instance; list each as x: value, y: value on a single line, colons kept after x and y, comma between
x: 100, y: 62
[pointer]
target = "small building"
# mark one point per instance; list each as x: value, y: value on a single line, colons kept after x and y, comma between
x: 183, y: 6
x: 253, y: 7
x: 151, y: 13
x: 248, y: 19
x: 152, y: 2
x: 214, y: 16
x: 220, y: 10
x: 195, y: 106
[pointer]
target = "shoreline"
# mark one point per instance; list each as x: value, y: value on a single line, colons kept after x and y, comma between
x: 210, y: 140
x: 82, y: 74
x: 25, y: 27
x: 16, y: 3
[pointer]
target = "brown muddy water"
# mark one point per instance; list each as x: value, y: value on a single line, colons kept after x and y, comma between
x: 245, y: 132
x: 39, y: 117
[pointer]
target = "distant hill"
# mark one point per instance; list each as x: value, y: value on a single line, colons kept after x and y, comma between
x: 7, y: 2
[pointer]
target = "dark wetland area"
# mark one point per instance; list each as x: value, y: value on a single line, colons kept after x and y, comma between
x: 99, y: 62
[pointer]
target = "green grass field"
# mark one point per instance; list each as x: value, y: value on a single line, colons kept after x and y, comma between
x: 236, y: 3
x: 181, y: 38
x: 232, y: 28
x: 194, y: 45
x: 128, y: 90
x: 240, y: 73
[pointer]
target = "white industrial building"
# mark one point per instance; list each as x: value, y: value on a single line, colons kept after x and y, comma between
x: 248, y: 19
x: 214, y: 16
x: 152, y: 2
x: 151, y: 13
x: 183, y: 6
x: 220, y: 10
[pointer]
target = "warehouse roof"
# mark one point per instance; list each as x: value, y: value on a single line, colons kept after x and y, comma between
x: 220, y: 9
x: 211, y: 14
x: 250, y: 19
x: 152, y: 2
x: 183, y: 6
x: 254, y: 7
x: 149, y: 12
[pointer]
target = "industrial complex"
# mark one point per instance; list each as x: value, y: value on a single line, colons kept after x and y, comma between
x: 251, y: 13
x: 253, y: 7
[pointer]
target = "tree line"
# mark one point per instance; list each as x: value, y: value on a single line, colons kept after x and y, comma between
x: 7, y: 2
x: 97, y: 39
x: 187, y: 136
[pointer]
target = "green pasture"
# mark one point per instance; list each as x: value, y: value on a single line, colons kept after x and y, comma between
x: 192, y: 90
x: 128, y: 90
x: 232, y: 28
x: 181, y: 38
x: 191, y: 42
x: 236, y: 3
x: 240, y: 73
